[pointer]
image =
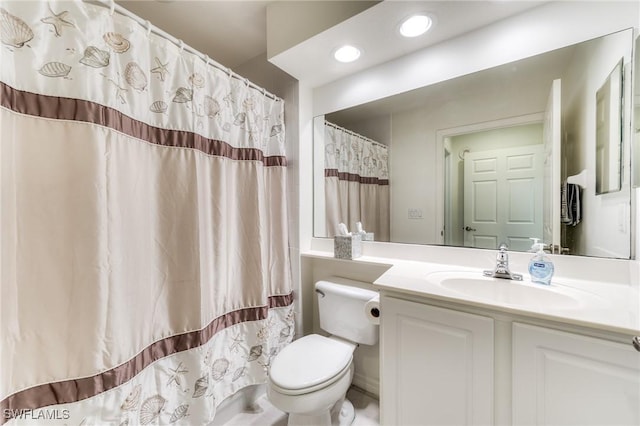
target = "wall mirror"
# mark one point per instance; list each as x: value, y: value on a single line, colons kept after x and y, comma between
x: 484, y: 158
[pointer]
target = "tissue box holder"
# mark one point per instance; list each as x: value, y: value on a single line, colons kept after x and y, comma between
x: 347, y: 247
x: 367, y: 236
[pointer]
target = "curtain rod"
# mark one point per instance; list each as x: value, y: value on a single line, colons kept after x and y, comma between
x: 113, y: 7
x: 351, y: 132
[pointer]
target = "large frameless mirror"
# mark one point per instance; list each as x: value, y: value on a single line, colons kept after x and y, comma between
x: 501, y: 155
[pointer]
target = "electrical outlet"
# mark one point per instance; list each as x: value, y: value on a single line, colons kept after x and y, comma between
x: 415, y: 213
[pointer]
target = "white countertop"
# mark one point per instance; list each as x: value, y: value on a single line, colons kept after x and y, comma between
x: 603, y: 306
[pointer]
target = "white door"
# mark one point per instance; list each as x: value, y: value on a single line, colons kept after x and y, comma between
x: 562, y: 378
x: 503, y: 197
x: 551, y: 135
x: 436, y: 365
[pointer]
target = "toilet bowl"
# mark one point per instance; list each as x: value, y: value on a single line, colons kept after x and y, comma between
x: 310, y: 377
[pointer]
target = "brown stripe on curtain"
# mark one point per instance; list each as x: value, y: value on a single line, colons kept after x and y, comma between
x: 352, y: 177
x: 90, y: 112
x: 69, y: 391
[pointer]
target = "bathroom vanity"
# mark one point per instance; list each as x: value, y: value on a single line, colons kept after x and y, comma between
x: 460, y: 348
x: 504, y: 354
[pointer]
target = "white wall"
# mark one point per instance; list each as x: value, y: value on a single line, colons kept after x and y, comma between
x: 604, y: 230
x: 304, y: 187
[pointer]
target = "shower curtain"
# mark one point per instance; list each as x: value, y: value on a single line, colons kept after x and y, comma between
x: 145, y: 272
x: 356, y: 182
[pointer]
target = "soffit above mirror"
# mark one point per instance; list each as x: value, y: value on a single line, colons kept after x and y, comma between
x: 375, y: 32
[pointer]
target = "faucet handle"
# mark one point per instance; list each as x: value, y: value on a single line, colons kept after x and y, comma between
x: 503, y: 256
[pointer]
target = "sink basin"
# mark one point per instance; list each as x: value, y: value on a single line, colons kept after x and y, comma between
x: 502, y: 291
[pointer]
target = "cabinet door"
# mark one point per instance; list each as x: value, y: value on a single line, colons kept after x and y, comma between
x: 436, y: 365
x: 562, y: 378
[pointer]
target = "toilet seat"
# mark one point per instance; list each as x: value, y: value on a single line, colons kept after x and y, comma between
x: 310, y: 363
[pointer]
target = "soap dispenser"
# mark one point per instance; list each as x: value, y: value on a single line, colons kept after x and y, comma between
x: 540, y: 266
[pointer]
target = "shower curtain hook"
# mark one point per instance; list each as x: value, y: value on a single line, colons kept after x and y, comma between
x: 181, y: 46
x: 207, y: 59
x: 112, y: 7
x: 148, y: 27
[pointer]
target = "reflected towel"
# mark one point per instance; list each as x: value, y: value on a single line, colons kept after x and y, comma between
x: 570, y: 208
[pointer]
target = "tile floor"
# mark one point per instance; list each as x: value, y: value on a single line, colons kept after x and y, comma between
x: 265, y: 414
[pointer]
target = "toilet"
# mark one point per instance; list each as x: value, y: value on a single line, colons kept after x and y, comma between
x: 309, y: 378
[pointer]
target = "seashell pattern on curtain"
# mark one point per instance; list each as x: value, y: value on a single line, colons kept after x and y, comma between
x: 145, y: 267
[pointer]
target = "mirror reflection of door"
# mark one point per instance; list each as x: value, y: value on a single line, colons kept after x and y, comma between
x: 503, y: 197
x: 495, y: 180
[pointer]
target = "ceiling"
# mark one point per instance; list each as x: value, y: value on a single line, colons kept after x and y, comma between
x: 230, y: 32
x: 375, y: 32
x: 233, y: 32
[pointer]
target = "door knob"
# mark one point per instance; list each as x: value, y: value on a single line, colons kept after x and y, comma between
x: 469, y: 229
x: 636, y: 343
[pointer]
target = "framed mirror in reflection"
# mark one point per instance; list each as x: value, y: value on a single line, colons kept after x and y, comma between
x: 502, y: 155
x: 609, y: 132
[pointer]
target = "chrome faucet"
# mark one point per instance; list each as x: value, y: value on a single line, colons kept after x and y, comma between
x: 502, y: 266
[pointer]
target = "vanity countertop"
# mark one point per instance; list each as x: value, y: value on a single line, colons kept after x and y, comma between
x: 598, y: 305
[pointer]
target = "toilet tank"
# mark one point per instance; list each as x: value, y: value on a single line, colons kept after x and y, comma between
x: 341, y: 306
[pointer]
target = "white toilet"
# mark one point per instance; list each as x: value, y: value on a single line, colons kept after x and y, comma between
x: 309, y: 378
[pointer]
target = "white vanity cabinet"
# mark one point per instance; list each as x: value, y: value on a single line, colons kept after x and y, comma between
x: 437, y: 368
x: 562, y: 378
x: 436, y: 365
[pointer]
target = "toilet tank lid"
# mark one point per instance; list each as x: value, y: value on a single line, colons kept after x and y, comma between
x: 346, y: 288
x: 309, y: 361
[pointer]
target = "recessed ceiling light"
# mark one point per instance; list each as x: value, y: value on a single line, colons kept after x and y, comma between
x: 346, y: 53
x: 415, y: 25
